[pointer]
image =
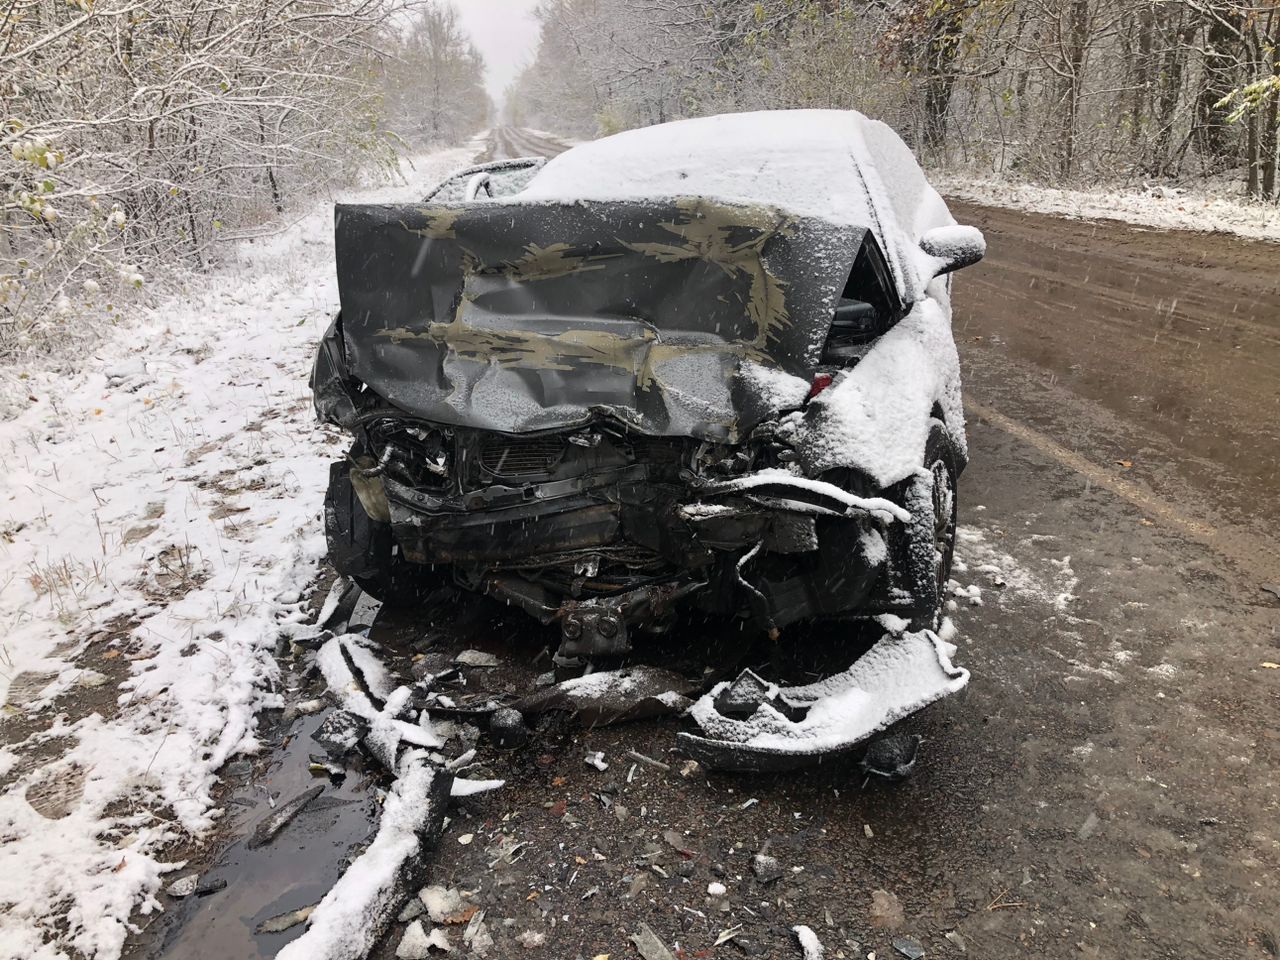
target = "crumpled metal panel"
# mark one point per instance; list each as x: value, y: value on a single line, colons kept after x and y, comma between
x: 522, y: 316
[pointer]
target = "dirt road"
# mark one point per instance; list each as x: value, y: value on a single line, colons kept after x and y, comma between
x: 1106, y: 786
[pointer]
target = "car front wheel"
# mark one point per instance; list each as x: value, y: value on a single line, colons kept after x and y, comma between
x: 932, y: 501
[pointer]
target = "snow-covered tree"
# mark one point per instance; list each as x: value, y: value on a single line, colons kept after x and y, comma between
x: 137, y: 132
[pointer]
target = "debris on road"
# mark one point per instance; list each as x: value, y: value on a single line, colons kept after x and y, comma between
x: 809, y: 942
x: 727, y: 935
x: 614, y: 696
x: 444, y: 904
x: 183, y: 886
x: 417, y: 944
x: 507, y: 729
x: 339, y: 604
x: 340, y: 732
x: 266, y: 831
x: 642, y: 758
x: 207, y: 887
x: 649, y: 946
x: 680, y: 844
x: 909, y: 948
x: 285, y: 921
x: 891, y: 758
x: 411, y: 911
x: 477, y: 936
x: 766, y: 868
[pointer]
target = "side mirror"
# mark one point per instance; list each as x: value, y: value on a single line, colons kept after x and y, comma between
x: 953, y: 247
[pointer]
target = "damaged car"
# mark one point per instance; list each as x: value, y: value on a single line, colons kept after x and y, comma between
x: 706, y: 365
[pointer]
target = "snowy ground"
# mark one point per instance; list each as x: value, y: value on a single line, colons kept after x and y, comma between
x: 159, y: 527
x: 1217, y: 209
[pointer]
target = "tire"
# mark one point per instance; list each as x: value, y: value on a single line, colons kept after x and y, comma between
x: 933, y: 502
x: 365, y: 549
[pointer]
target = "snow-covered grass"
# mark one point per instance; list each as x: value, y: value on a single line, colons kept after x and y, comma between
x: 161, y: 510
x: 1207, y: 206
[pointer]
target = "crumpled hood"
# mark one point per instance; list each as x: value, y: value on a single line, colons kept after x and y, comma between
x: 530, y: 315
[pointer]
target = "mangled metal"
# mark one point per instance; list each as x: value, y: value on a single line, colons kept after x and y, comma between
x: 640, y: 313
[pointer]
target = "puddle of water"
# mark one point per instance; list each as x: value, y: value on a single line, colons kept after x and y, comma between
x: 294, y: 870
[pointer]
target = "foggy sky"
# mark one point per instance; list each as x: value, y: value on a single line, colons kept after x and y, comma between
x: 505, y: 33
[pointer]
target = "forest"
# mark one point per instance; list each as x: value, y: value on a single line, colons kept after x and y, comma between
x: 143, y: 134
x: 1055, y: 91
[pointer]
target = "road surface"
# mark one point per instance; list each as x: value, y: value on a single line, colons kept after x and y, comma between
x: 1105, y: 787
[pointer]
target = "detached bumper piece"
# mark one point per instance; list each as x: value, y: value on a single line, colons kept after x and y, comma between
x: 747, y: 724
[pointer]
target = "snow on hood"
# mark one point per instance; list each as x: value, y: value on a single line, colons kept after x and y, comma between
x: 836, y: 165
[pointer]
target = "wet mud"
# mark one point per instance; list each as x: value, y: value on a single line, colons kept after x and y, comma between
x: 1170, y: 342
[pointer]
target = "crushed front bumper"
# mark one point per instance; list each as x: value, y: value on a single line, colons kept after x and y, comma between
x: 747, y: 724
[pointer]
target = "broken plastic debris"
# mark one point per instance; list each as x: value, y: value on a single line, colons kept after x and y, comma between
x: 411, y: 910
x: 716, y: 889
x: 727, y: 935
x: 532, y: 939
x: 896, y: 677
x: 340, y: 732
x: 477, y: 936
x: 909, y: 948
x: 467, y: 788
x: 681, y: 845
x: 596, y: 759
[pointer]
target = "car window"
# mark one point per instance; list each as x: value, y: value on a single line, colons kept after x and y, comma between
x: 502, y: 178
x: 867, y: 307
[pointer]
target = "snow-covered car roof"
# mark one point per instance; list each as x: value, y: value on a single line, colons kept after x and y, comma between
x: 837, y: 165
